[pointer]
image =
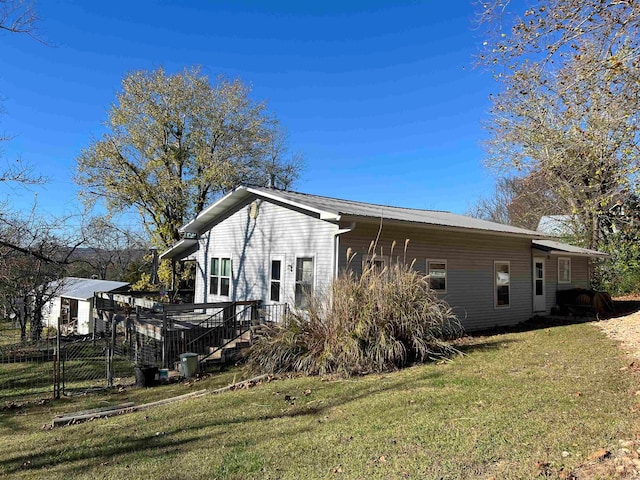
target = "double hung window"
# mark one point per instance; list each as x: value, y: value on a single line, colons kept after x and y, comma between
x: 275, y: 280
x: 220, y: 277
x: 304, y: 281
x: 564, y: 270
x: 502, y: 282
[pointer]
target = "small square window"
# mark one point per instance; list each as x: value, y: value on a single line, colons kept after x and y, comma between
x: 437, y: 272
x: 375, y: 263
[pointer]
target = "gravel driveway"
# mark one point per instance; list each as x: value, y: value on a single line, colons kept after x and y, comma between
x: 625, y: 330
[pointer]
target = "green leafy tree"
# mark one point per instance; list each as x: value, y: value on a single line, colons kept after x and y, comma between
x: 175, y: 142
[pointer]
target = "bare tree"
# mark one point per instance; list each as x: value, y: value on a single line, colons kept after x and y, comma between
x: 19, y: 16
x: 570, y: 99
x: 576, y: 127
x: 547, y: 33
x: 34, y: 254
x: 108, y: 250
x: 518, y: 201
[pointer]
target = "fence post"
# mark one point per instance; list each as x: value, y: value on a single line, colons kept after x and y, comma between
x: 56, y: 365
x: 94, y: 317
x: 165, y: 341
x: 132, y: 328
x: 110, y: 346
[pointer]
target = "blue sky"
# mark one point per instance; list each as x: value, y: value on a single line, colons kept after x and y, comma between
x: 380, y: 97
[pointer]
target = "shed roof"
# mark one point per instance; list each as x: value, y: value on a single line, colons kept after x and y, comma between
x: 552, y: 246
x: 333, y: 209
x: 83, y: 288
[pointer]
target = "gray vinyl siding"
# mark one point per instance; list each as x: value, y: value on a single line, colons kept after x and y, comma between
x: 580, y: 277
x: 276, y: 233
x: 470, y: 267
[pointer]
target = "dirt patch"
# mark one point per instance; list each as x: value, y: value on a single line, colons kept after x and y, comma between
x: 620, y: 462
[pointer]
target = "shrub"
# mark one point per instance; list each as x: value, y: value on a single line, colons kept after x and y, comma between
x: 49, y: 331
x: 381, y: 321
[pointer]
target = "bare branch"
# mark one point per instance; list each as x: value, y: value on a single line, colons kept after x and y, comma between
x: 20, y: 16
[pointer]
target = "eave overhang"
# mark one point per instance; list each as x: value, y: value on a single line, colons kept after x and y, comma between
x: 180, y: 250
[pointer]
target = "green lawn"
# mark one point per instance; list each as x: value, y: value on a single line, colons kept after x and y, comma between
x: 514, y: 399
x: 9, y: 334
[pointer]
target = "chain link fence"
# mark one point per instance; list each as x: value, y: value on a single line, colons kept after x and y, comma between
x: 125, y: 342
x: 27, y: 370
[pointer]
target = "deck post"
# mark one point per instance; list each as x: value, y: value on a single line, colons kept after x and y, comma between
x: 165, y: 341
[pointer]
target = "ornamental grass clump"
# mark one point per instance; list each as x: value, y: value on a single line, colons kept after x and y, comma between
x: 383, y: 320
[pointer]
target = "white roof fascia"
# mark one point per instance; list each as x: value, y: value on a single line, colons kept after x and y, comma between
x: 183, y: 244
x: 204, y: 213
x: 234, y: 197
x: 324, y: 215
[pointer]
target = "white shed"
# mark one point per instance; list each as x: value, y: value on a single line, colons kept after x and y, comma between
x: 73, y: 303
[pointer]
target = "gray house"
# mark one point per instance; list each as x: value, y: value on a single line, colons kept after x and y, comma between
x: 268, y: 244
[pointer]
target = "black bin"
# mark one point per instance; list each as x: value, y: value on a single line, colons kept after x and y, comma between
x: 146, y: 376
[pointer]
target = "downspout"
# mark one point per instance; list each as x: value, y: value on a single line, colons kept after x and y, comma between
x: 336, y: 247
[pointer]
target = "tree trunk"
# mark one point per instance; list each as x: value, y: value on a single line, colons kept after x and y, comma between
x: 36, y: 323
x: 23, y: 317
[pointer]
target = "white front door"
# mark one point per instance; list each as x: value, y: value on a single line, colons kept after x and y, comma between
x: 539, y: 297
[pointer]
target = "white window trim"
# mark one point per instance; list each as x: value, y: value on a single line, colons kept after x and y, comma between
x: 560, y: 280
x: 446, y: 273
x: 217, y: 293
x: 312, y: 256
x: 283, y: 268
x: 495, y: 285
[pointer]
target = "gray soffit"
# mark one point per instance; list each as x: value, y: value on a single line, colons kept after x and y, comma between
x: 181, y: 249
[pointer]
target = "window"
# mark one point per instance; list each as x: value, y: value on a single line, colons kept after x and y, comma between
x: 304, y: 281
x: 564, y: 270
x: 377, y: 262
x: 502, y: 279
x: 220, y: 279
x: 437, y: 272
x: 276, y: 276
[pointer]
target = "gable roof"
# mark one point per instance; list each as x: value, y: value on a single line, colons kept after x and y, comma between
x: 333, y: 209
x: 83, y: 288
